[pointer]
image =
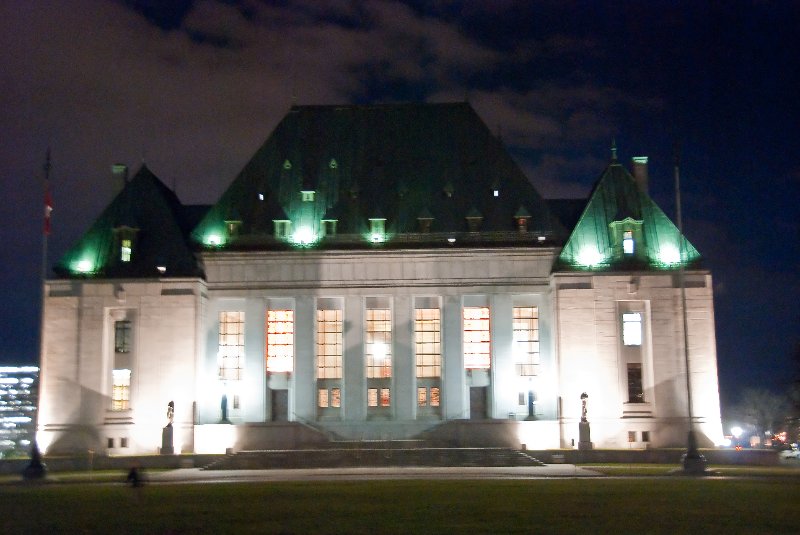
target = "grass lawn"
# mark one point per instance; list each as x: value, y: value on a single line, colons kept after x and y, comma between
x: 673, y: 505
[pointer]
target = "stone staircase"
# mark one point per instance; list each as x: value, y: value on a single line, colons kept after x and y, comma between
x: 364, y: 454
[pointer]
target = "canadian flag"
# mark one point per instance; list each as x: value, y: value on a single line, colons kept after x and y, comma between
x: 48, y: 208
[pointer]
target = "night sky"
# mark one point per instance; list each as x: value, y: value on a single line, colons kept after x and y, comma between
x: 194, y: 88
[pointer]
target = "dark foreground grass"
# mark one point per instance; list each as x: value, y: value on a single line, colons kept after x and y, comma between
x: 675, y: 505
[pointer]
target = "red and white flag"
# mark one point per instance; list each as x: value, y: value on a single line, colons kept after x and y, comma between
x: 48, y: 208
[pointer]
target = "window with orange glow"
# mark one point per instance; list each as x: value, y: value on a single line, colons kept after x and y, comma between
x: 280, y: 341
x: 526, y: 340
x: 477, y: 338
x: 428, y: 342
x: 230, y: 354
x: 329, y: 344
x: 379, y: 343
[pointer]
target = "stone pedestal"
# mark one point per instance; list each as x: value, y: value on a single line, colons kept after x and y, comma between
x: 584, y: 436
x: 166, y: 441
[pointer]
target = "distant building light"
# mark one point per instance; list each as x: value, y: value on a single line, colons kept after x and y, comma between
x: 451, y: 240
x: 161, y: 269
x: 541, y: 238
x: 496, y: 192
x: 214, y: 240
x: 8, y: 380
x: 260, y: 196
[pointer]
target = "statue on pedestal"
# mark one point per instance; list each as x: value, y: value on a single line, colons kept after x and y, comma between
x: 584, y: 412
x: 167, y: 447
x: 584, y: 431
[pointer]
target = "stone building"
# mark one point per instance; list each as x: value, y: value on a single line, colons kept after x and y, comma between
x: 378, y: 272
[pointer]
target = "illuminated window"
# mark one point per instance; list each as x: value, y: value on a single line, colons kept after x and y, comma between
x: 307, y: 196
x: 635, y: 390
x: 434, y: 396
x: 322, y: 397
x: 230, y: 355
x: 280, y: 341
x: 526, y: 340
x: 122, y: 336
x: 120, y: 390
x: 426, y: 396
x: 336, y: 397
x: 627, y: 242
x: 477, y: 339
x: 282, y: 227
x: 329, y: 344
x: 372, y: 397
x: 632, y: 328
x: 233, y: 228
x: 427, y: 342
x: 126, y: 248
x: 385, y: 401
x: 379, y: 343
x: 631, y: 436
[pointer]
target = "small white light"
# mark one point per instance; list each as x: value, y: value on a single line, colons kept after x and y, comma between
x: 451, y: 240
x: 496, y: 193
x: 541, y: 238
x: 260, y: 196
x: 162, y: 269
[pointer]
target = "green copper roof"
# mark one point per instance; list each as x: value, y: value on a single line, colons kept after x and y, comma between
x: 395, y: 162
x: 617, y: 211
x: 148, y: 214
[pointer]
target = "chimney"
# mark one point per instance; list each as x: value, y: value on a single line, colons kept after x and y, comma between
x: 640, y: 172
x: 119, y: 172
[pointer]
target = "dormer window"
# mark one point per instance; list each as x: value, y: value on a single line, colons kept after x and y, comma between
x: 377, y: 230
x: 126, y: 238
x: 496, y: 192
x: 627, y: 242
x: 233, y: 228
x: 282, y: 227
x: 329, y: 227
x: 126, y: 248
x: 307, y: 196
x: 522, y: 224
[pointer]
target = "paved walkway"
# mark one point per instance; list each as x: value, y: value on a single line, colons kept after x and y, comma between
x: 196, y: 475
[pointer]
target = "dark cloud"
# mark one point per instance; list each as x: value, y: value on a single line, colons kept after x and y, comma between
x: 194, y: 87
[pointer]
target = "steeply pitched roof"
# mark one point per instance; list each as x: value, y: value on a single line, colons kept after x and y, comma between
x: 148, y: 213
x: 392, y: 161
x: 615, y: 206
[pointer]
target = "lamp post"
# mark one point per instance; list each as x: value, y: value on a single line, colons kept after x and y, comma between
x: 694, y: 463
x: 36, y: 469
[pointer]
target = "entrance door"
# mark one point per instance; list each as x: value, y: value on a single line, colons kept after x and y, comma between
x: 477, y: 403
x: 280, y: 405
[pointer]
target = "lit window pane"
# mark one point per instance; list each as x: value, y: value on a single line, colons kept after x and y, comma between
x: 230, y: 353
x: 632, y: 329
x: 477, y: 339
x: 280, y: 341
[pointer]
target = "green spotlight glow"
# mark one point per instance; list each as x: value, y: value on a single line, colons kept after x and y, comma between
x: 84, y: 266
x: 669, y: 255
x: 304, y: 236
x: 589, y: 256
x: 213, y: 240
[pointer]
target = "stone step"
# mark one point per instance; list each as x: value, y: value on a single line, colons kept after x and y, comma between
x: 373, y: 457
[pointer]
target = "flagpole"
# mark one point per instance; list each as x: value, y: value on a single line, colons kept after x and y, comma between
x: 693, y: 461
x: 36, y: 469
